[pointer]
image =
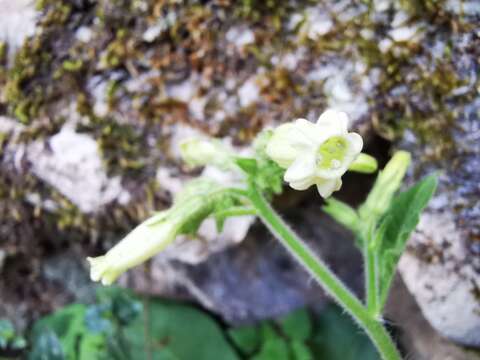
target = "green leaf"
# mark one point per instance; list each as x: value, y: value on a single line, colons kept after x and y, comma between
x: 246, y: 338
x: 7, y: 332
x: 265, y: 173
x: 396, y: 227
x: 172, y: 331
x: 92, y: 347
x: 47, y: 346
x: 67, y: 324
x: 118, y: 328
x: 297, y: 325
x: 18, y: 343
x: 337, y: 337
x: 273, y: 348
x: 90, y: 333
x: 221, y: 211
x: 96, y: 319
x: 248, y: 165
x: 300, y: 351
x: 269, y: 177
x: 125, y: 308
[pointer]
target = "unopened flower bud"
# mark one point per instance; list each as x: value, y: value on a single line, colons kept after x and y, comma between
x: 200, y: 152
x: 387, y: 184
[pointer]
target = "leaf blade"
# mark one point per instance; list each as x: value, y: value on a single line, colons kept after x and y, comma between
x: 396, y: 227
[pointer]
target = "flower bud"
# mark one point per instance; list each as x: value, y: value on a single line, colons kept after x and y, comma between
x: 200, y: 152
x: 364, y: 164
x: 387, y: 184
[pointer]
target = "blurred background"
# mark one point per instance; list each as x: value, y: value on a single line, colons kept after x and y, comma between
x: 94, y: 99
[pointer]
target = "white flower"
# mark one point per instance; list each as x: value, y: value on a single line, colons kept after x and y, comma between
x: 191, y: 206
x: 143, y: 242
x: 200, y: 152
x: 317, y: 153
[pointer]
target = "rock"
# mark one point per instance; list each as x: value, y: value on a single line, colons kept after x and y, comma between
x: 68, y: 272
x: 17, y: 21
x: 441, y: 274
x: 240, y: 37
x: 249, y: 92
x: 71, y: 163
x: 442, y: 264
x: 3, y: 255
x: 414, y: 332
x: 317, y: 23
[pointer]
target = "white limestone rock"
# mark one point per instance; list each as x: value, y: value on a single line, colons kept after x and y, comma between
x: 240, y: 36
x: 17, y: 22
x: 71, y: 163
x: 441, y: 275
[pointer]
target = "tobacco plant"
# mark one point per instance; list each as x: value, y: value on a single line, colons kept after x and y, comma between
x: 302, y: 154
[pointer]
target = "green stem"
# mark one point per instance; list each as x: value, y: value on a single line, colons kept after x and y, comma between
x: 371, y: 285
x: 237, y: 211
x: 325, y: 277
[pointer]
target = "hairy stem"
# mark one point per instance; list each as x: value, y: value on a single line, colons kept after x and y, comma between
x: 324, y: 276
x: 237, y: 211
x: 371, y: 285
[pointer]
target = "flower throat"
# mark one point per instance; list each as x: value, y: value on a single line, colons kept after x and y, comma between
x: 331, y: 153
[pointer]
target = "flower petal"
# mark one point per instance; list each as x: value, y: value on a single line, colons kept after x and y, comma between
x: 306, y: 134
x: 102, y: 270
x: 327, y: 187
x: 303, y: 184
x: 336, y: 121
x: 303, y: 167
x: 331, y: 174
x: 356, y: 143
x: 280, y: 148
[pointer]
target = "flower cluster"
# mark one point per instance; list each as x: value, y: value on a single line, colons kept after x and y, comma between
x: 311, y: 153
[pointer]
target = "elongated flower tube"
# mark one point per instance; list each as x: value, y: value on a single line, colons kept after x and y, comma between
x: 198, y: 200
x: 315, y: 153
x: 143, y: 242
x: 152, y: 235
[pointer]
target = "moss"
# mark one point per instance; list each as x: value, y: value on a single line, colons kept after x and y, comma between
x: 27, y: 62
x: 3, y: 53
x: 275, y: 11
x: 56, y: 13
x: 122, y: 146
x: 112, y: 88
x: 55, y: 64
x: 424, y: 7
x: 72, y: 65
x: 3, y: 70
